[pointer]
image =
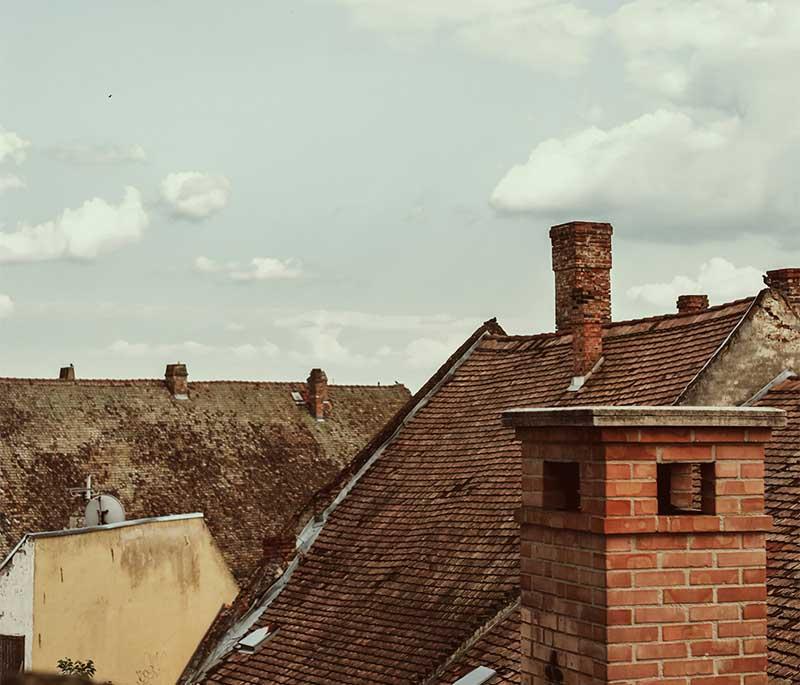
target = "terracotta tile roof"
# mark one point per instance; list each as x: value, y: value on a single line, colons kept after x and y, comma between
x: 424, y: 550
x: 783, y: 544
x: 242, y: 452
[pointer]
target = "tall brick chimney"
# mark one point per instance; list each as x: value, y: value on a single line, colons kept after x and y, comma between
x: 625, y: 580
x: 317, y: 393
x: 688, y: 304
x: 67, y: 373
x: 176, y: 379
x: 582, y: 266
x: 787, y: 282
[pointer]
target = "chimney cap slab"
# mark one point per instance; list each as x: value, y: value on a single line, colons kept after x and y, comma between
x: 743, y: 417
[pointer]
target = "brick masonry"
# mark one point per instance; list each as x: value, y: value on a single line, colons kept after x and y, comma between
x: 615, y: 592
x: 787, y: 282
x: 582, y: 267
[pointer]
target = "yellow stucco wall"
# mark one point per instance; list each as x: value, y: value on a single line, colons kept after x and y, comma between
x: 136, y: 600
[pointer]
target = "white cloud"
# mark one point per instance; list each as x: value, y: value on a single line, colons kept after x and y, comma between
x: 719, y: 149
x: 323, y: 346
x: 665, y: 164
x: 6, y: 306
x: 11, y: 182
x: 257, y: 269
x: 369, y: 321
x: 98, y: 154
x: 95, y: 228
x: 194, y: 195
x: 250, y: 351
x: 717, y: 278
x: 542, y: 34
x: 12, y: 146
x: 430, y: 353
x: 191, y: 348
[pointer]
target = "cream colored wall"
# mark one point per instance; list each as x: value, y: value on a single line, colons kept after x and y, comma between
x: 136, y: 600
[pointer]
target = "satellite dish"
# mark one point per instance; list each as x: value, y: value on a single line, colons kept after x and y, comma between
x: 103, y: 509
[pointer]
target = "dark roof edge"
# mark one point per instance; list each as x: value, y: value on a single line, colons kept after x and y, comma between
x: 723, y: 346
x: 341, y: 485
x: 470, y: 642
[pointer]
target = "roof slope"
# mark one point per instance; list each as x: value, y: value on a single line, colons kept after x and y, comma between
x: 243, y: 453
x: 783, y: 544
x: 424, y: 550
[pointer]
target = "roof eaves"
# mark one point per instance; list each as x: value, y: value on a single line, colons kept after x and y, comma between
x: 756, y: 301
x: 364, y: 461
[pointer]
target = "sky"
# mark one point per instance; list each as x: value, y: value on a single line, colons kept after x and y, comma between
x: 259, y: 188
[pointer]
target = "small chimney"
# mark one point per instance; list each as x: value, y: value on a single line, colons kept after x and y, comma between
x: 317, y: 393
x: 688, y: 304
x: 67, y: 373
x: 787, y: 282
x: 582, y: 266
x: 176, y: 378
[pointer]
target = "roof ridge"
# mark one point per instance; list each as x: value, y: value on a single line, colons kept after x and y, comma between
x: 629, y: 322
x: 486, y: 627
x: 145, y: 381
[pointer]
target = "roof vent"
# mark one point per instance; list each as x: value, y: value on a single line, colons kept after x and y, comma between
x: 67, y: 373
x: 176, y: 377
x: 480, y: 675
x: 252, y: 641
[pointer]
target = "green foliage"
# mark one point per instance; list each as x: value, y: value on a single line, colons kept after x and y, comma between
x: 81, y: 669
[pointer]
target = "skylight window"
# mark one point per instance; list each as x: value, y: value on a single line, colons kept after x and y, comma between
x: 298, y: 398
x: 479, y: 676
x: 253, y: 640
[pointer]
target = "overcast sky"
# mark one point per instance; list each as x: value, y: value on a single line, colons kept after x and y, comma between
x: 256, y: 188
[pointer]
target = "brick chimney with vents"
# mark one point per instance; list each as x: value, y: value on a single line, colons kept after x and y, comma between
x: 692, y: 303
x: 624, y: 579
x: 787, y: 282
x: 582, y: 266
x: 176, y: 379
x: 67, y: 373
x: 317, y: 393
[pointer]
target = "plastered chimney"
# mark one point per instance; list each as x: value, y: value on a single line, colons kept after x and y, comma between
x: 626, y: 580
x: 67, y: 373
x: 582, y: 267
x: 176, y: 379
x: 317, y: 393
x: 688, y: 304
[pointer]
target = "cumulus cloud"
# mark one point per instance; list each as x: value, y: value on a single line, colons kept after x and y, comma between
x: 718, y: 278
x: 369, y: 321
x: 430, y: 353
x: 542, y: 34
x: 98, y: 154
x: 95, y: 228
x: 12, y: 146
x: 720, y: 149
x: 194, y: 195
x: 6, y: 306
x: 324, y: 346
x: 11, y: 182
x: 690, y: 170
x: 190, y: 348
x: 257, y: 269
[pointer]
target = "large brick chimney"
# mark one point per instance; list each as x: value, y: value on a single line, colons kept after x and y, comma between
x: 626, y: 581
x: 582, y: 266
x: 317, y: 393
x: 787, y: 282
x: 176, y: 378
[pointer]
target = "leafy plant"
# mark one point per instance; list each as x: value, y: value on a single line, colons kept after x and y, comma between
x: 81, y: 669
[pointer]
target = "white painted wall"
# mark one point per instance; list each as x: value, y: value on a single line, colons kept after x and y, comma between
x: 16, y: 597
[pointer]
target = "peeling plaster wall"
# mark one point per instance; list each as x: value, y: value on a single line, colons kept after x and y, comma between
x: 764, y: 345
x: 16, y: 597
x: 136, y: 600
